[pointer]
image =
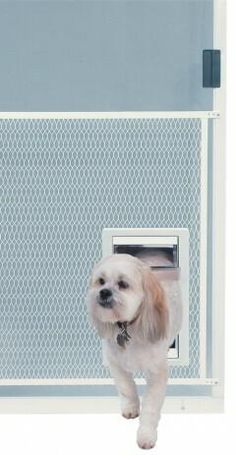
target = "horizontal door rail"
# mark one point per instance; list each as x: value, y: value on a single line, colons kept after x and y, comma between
x: 109, y: 115
x: 102, y: 381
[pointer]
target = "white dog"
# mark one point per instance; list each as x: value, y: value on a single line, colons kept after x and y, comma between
x: 133, y: 313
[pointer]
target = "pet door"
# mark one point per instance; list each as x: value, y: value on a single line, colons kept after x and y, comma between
x: 124, y: 132
x: 166, y: 251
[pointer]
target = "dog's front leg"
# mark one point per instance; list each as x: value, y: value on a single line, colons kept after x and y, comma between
x: 151, y: 407
x: 127, y: 390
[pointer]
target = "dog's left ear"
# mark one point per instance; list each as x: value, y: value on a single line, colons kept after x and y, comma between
x: 154, y: 315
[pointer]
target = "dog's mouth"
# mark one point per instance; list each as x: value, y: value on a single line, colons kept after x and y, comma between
x: 109, y: 309
x: 106, y: 303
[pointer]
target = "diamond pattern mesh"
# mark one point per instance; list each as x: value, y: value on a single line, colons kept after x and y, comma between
x: 62, y: 182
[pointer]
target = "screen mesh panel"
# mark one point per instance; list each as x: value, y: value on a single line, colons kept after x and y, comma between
x: 62, y: 182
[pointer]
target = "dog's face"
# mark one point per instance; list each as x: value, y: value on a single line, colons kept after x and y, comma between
x: 116, y: 290
x: 123, y: 288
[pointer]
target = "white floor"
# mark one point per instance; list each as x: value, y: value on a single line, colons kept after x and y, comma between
x: 111, y: 434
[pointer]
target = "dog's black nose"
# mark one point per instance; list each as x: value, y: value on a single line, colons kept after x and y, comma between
x: 105, y: 294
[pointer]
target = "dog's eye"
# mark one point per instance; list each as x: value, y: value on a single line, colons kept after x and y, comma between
x: 122, y: 284
x: 101, y: 281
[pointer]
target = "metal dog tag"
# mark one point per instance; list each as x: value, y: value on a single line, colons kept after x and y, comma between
x: 122, y: 337
x: 121, y: 340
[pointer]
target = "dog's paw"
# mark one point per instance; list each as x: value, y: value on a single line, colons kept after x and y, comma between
x: 130, y: 410
x: 146, y: 437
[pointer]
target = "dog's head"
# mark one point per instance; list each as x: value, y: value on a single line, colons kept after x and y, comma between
x: 123, y: 288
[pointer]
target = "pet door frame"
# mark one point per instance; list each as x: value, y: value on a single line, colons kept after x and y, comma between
x: 166, y: 236
x: 213, y: 401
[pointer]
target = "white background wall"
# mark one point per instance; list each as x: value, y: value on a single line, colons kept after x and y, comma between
x: 178, y: 434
